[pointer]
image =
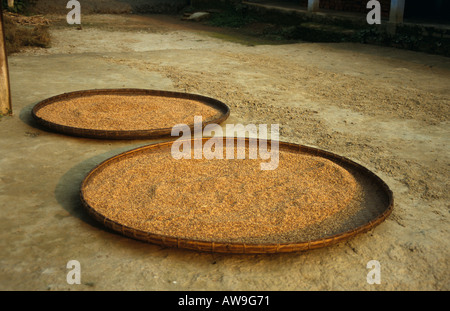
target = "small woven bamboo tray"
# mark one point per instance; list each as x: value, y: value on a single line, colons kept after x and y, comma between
x: 376, y: 203
x: 222, y: 113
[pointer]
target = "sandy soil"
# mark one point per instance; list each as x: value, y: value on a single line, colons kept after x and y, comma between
x: 384, y: 108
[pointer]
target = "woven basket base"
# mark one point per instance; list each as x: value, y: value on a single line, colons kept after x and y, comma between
x: 376, y: 205
x: 223, y: 113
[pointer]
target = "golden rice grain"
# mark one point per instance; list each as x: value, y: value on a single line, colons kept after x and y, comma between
x: 125, y: 112
x: 229, y: 200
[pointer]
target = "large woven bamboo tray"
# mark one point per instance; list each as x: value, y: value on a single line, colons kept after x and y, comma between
x: 68, y: 112
x: 312, y: 199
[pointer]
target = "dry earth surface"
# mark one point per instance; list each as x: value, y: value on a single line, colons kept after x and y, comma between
x: 384, y: 108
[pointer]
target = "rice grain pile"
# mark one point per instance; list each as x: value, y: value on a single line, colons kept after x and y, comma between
x: 125, y: 112
x: 228, y: 200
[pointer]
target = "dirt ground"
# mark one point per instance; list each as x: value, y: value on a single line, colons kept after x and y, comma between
x: 384, y: 108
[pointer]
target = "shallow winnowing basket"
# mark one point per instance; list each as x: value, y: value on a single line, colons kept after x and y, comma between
x: 375, y: 209
x: 222, y: 114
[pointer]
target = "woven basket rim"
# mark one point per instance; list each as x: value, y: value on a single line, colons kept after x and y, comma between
x: 232, y: 247
x: 222, y: 109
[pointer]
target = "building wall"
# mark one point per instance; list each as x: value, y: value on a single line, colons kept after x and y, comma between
x: 434, y: 10
x: 214, y: 4
x: 354, y: 6
x: 344, y: 5
x: 303, y: 3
